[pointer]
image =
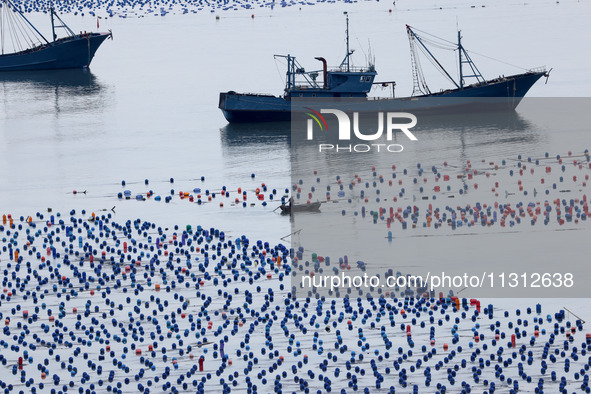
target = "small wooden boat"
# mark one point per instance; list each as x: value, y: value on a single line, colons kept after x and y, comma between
x: 289, y: 208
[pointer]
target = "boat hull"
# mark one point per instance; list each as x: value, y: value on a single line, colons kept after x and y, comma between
x: 503, y: 93
x: 244, y: 108
x: 66, y: 53
x: 310, y: 207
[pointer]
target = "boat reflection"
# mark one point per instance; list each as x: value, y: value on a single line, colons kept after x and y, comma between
x: 76, y: 81
x: 75, y: 90
x: 240, y: 134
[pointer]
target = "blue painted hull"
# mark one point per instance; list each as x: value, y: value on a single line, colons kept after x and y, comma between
x: 70, y: 52
x: 497, y: 94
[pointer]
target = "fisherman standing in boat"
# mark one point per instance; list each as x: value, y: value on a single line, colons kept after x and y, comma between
x: 286, y: 207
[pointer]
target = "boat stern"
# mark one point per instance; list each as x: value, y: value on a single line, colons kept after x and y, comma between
x: 248, y: 107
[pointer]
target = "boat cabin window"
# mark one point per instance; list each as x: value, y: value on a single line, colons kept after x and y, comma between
x: 367, y: 79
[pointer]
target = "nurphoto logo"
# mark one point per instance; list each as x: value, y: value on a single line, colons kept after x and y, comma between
x: 394, y: 121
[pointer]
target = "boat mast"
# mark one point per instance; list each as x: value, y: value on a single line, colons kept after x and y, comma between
x: 290, y: 74
x: 348, y: 42
x: 460, y: 58
x: 52, y: 25
x: 63, y: 24
x: 349, y: 52
x: 464, y: 58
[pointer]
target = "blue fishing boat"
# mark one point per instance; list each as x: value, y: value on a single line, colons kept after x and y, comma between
x: 32, y: 51
x: 344, y: 82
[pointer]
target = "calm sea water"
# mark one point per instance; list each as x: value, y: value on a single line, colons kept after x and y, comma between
x: 147, y: 109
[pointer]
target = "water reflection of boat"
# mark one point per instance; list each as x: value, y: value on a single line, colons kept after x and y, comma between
x: 59, y: 86
x: 66, y: 89
x: 479, y: 121
x: 71, y: 79
x: 485, y: 127
x: 240, y: 134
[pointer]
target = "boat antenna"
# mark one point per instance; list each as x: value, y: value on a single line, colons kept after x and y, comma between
x: 349, y: 52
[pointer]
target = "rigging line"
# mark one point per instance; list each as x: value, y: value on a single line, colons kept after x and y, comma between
x: 10, y: 30
x: 23, y: 31
x: 18, y: 32
x: 16, y: 10
x: 4, y: 34
x: 279, y: 72
x: 438, y: 44
x: 431, y: 35
x: 434, y: 45
x: 12, y: 34
x: 411, y: 32
x: 27, y: 29
x: 361, y: 47
x: 437, y: 66
x: 2, y: 29
x: 419, y: 82
x: 422, y: 78
x: 497, y: 60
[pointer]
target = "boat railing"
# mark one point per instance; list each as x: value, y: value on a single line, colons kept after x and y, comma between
x: 541, y: 69
x: 352, y: 69
x: 253, y: 94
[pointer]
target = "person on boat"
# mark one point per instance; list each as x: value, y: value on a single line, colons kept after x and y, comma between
x: 286, y: 206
